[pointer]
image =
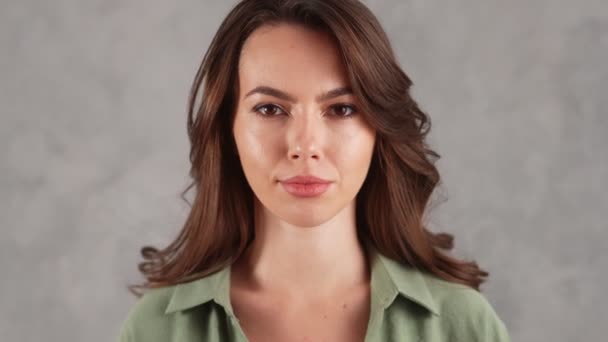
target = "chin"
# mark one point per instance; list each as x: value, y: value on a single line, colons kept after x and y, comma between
x: 306, y: 218
x: 306, y: 222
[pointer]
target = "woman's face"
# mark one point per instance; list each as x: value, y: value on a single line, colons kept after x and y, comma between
x: 304, y: 122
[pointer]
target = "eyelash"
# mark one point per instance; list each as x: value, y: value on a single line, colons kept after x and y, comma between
x: 353, y: 109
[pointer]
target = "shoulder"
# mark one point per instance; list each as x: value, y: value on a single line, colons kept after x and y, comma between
x: 465, y: 313
x: 146, y: 320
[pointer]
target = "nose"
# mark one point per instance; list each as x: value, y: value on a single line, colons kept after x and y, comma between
x: 304, y: 138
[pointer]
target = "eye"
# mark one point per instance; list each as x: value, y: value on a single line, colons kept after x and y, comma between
x: 344, y: 110
x: 267, y: 110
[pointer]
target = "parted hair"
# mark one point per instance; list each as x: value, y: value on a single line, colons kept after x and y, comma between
x: 393, y: 201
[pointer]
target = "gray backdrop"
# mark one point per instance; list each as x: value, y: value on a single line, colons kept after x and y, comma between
x: 93, y: 151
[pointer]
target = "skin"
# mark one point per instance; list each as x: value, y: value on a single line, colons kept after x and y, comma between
x: 306, y: 251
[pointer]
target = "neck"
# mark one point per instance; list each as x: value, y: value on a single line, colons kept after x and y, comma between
x: 304, y: 262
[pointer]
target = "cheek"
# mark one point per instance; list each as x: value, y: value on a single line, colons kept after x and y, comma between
x: 353, y: 157
x: 256, y: 147
x: 353, y: 148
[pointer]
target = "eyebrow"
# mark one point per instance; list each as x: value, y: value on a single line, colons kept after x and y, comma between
x: 266, y: 90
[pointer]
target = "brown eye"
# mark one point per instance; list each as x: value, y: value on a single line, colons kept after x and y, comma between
x: 344, y: 111
x: 268, y: 110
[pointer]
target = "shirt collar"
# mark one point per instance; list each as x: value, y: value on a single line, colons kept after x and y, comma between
x: 214, y: 286
x: 389, y: 278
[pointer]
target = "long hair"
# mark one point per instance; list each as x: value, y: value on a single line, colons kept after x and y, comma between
x: 391, y: 203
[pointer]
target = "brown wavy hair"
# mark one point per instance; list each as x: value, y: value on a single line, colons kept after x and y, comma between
x: 391, y: 203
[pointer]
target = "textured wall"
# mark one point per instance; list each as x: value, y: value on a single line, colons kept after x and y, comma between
x: 93, y: 151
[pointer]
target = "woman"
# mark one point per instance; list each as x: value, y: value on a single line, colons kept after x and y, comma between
x: 312, y: 175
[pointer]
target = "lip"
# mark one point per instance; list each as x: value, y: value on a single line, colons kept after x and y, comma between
x: 305, y: 179
x: 306, y: 186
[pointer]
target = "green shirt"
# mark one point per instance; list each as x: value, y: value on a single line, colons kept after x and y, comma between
x: 406, y: 305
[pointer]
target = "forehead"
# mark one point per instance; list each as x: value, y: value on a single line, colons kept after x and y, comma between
x: 291, y: 56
